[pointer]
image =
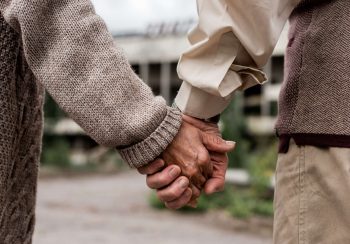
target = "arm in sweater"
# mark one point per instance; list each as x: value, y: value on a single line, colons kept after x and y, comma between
x: 71, y: 52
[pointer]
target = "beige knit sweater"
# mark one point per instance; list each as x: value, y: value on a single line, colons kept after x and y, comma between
x: 64, y: 47
x: 314, y: 102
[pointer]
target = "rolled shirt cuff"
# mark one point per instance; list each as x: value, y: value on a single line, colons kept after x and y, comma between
x: 249, y: 76
x: 198, y: 103
x: 201, y: 104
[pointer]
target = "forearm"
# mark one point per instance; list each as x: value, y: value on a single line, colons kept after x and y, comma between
x: 71, y: 52
x: 232, y: 41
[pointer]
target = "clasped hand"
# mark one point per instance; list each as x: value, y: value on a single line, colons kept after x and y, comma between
x: 196, y: 160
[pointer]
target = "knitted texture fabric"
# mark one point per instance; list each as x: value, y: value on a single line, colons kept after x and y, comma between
x: 315, y: 94
x: 64, y: 47
x: 21, y: 102
x: 70, y: 52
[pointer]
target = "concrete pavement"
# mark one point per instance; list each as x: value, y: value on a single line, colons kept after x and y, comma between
x: 114, y: 209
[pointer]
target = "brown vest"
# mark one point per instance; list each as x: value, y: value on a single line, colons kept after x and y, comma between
x: 314, y: 103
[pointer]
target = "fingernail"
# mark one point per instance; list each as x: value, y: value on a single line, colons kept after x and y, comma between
x: 231, y: 143
x: 183, y: 183
x: 174, y: 171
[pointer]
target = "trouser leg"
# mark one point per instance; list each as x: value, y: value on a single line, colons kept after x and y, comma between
x: 312, y: 196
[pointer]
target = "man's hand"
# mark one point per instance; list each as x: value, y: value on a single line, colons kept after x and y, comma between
x: 188, y: 152
x: 178, y: 191
x: 218, y: 155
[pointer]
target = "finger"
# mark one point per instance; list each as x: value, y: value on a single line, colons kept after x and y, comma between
x: 196, y: 192
x: 152, y: 168
x: 198, y: 180
x: 163, y: 178
x: 217, y: 144
x: 180, y: 202
x: 217, y: 182
x: 207, y: 170
x: 173, y: 191
x: 204, y: 161
x: 195, y: 195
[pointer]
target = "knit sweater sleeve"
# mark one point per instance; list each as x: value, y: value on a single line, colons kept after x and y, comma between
x: 70, y: 51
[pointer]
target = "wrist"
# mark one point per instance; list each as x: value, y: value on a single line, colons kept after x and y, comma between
x: 213, y: 120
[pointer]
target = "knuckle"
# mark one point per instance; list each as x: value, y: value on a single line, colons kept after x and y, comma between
x: 173, y: 193
x: 148, y: 171
x: 156, y: 181
x: 214, y: 139
x: 193, y: 171
x: 149, y: 182
x: 151, y: 169
x: 162, y: 179
x: 182, y: 182
x: 217, y: 139
x: 203, y: 158
x: 165, y: 178
x: 162, y: 197
x: 170, y: 195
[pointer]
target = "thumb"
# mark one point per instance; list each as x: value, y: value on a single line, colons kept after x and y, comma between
x: 216, y: 143
x: 214, y: 185
x: 217, y: 182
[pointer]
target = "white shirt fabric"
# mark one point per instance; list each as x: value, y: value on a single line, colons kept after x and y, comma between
x: 232, y: 41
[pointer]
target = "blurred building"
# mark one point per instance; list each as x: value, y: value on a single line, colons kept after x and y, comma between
x: 154, y: 55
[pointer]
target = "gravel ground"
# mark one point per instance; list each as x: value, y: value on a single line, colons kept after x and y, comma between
x: 114, y: 209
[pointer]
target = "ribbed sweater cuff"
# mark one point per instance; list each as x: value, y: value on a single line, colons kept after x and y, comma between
x: 149, y: 149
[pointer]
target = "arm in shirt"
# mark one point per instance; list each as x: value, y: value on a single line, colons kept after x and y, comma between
x: 232, y: 41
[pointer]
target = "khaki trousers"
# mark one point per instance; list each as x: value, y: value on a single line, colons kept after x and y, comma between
x: 312, y: 196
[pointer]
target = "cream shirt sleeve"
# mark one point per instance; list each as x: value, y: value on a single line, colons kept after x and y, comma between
x: 232, y: 41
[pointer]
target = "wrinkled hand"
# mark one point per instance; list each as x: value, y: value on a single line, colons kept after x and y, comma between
x: 178, y: 191
x: 188, y: 151
x: 218, y: 156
